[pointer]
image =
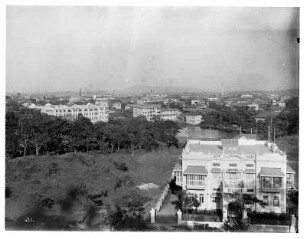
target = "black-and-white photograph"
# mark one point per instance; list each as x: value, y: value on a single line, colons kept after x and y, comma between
x: 152, y: 118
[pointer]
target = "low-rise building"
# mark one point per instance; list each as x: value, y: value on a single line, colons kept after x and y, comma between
x: 117, y: 105
x: 147, y: 110
x: 253, y: 106
x: 170, y: 114
x: 94, y: 112
x: 193, y: 119
x: 216, y: 171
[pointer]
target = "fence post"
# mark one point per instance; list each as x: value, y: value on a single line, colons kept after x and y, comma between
x: 179, y: 216
x: 152, y: 215
x: 292, y: 228
x: 224, y: 215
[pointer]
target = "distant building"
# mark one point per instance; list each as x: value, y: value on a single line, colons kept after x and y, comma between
x: 246, y: 96
x: 193, y: 119
x: 265, y: 115
x: 213, y: 99
x: 281, y: 105
x: 170, y: 114
x: 147, y: 110
x: 254, y: 107
x: 94, y: 112
x: 128, y: 106
x: 117, y: 105
x: 217, y: 170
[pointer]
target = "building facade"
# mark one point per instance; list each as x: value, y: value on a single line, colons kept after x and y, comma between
x: 170, y: 114
x: 94, y: 112
x: 193, y: 119
x: 147, y: 110
x: 216, y: 170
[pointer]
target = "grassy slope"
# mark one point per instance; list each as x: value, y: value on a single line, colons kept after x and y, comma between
x: 28, y: 178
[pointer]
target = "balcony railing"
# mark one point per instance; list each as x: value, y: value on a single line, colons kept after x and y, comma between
x: 271, y: 187
x: 196, y: 184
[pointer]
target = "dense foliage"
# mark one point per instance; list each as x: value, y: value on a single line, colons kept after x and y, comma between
x: 31, y: 132
x: 286, y: 123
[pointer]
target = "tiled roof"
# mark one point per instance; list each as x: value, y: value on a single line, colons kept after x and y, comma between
x: 215, y: 170
x: 196, y: 170
x: 145, y: 106
x: 232, y: 170
x: 276, y: 172
x: 217, y: 149
x: 248, y: 136
x: 215, y: 195
x: 233, y: 143
x: 249, y: 170
x: 177, y: 167
x: 289, y: 169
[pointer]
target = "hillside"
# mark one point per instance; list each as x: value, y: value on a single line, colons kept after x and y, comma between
x: 35, y: 180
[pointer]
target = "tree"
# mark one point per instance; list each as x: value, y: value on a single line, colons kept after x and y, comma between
x: 187, y: 201
x: 25, y: 132
x: 40, y: 136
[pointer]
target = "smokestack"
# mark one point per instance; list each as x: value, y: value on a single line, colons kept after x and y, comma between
x: 269, y: 134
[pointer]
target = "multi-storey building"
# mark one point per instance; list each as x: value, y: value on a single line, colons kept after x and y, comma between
x: 216, y: 170
x: 147, y: 110
x: 193, y: 119
x: 170, y: 114
x: 94, y: 112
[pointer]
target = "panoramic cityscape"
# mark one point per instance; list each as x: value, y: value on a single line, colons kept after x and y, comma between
x: 152, y: 119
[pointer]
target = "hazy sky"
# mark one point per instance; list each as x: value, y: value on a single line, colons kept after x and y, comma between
x: 101, y: 48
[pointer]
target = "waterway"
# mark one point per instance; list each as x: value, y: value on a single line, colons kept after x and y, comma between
x: 196, y: 132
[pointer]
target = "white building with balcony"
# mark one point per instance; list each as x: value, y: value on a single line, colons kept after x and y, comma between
x: 147, y: 110
x: 170, y: 114
x: 193, y: 119
x: 94, y: 112
x: 215, y: 170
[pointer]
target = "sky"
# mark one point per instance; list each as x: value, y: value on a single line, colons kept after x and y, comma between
x: 59, y: 48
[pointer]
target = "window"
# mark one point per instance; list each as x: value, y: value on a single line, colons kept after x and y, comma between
x: 265, y: 199
x: 216, y: 199
x: 216, y: 189
x: 233, y: 165
x: 250, y: 190
x: 277, y: 182
x: 178, y: 176
x: 216, y: 164
x: 193, y: 179
x: 271, y: 183
x: 201, y: 198
x: 276, y: 201
x: 250, y: 165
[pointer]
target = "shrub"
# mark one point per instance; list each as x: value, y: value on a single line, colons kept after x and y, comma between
x: 47, y: 202
x: 121, y: 166
x: 8, y: 192
x: 118, y: 183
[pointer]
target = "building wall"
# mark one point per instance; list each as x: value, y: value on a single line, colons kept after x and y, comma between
x: 249, y: 183
x: 95, y: 113
x: 148, y: 111
x: 193, y: 119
